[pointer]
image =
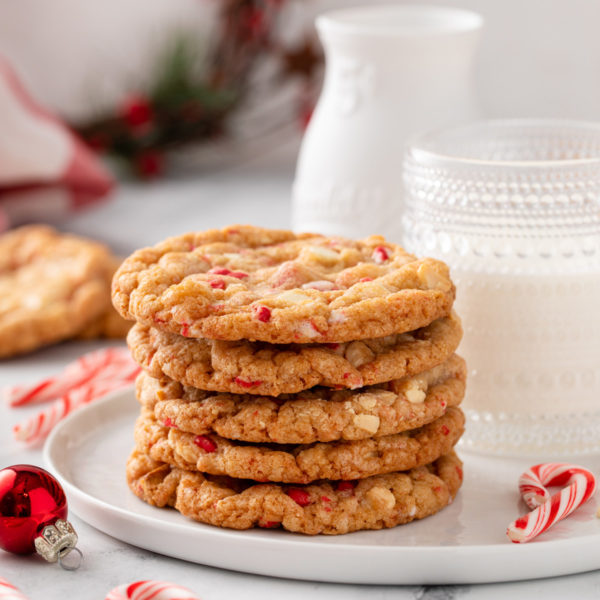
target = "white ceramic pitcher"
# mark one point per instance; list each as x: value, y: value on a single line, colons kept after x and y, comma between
x: 391, y: 71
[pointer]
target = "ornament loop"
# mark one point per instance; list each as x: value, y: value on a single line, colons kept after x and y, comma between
x: 74, y: 553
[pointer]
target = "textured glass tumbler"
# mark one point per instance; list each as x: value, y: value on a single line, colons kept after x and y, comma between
x: 514, y: 208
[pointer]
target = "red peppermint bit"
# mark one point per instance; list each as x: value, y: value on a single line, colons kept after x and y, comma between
x: 459, y: 472
x: 325, y: 499
x: 217, y: 307
x: 437, y: 489
x: 365, y: 279
x: 299, y: 496
x: 218, y: 284
x: 443, y: 404
x: 521, y: 523
x: 314, y: 325
x: 223, y: 271
x: 158, y: 319
x: 168, y: 423
x: 269, y: 524
x: 205, y: 443
x: 346, y: 375
x: 185, y: 329
x: 327, y: 508
x: 445, y: 430
x: 247, y: 384
x: 380, y: 254
x: 344, y: 486
x: 262, y: 313
x: 332, y: 346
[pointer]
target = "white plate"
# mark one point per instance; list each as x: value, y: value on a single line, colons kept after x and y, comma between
x: 464, y: 543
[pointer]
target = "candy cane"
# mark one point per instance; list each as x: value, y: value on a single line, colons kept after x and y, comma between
x: 101, y: 364
x: 151, y: 590
x: 36, y: 428
x: 548, y: 510
x: 9, y: 592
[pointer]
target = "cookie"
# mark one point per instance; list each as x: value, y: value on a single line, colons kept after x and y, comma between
x: 265, y: 369
x: 251, y: 283
x: 51, y: 286
x: 109, y: 325
x: 355, y: 459
x: 325, y: 507
x: 318, y: 415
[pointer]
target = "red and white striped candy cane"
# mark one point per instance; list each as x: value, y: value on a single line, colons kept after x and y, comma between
x: 579, y: 484
x: 151, y: 590
x: 101, y: 364
x: 9, y: 592
x: 36, y: 428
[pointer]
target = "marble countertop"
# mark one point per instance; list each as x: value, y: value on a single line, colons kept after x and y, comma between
x: 141, y: 215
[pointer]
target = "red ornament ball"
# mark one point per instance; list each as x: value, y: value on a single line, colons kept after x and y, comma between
x: 30, y: 499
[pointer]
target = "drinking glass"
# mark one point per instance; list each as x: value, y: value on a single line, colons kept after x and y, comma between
x: 513, y: 206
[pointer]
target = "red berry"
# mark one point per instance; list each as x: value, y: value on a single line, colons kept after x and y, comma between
x: 262, y: 313
x: 149, y: 164
x: 205, y: 443
x: 299, y: 496
x: 380, y: 254
x: 137, y: 110
x: 217, y: 284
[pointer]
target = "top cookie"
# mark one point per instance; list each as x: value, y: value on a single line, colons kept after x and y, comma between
x: 245, y: 282
x: 51, y: 286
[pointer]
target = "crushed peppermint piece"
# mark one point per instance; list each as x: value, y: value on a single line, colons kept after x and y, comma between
x: 380, y: 254
x: 262, y: 313
x: 445, y: 430
x: 247, y: 384
x: 344, y: 486
x: 299, y: 496
x: 205, y: 443
x: 228, y: 272
x: 169, y: 423
x: 218, y: 284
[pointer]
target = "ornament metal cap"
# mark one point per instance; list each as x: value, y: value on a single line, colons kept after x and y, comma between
x: 56, y: 542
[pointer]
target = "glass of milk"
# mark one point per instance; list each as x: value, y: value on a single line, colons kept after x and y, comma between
x: 513, y: 206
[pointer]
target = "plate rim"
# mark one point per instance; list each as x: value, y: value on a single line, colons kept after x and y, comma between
x: 284, y: 540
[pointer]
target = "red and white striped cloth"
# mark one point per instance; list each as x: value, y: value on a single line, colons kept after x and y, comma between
x: 89, y: 377
x: 45, y: 171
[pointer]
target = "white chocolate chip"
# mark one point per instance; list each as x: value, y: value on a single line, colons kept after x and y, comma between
x: 321, y: 285
x: 381, y: 498
x: 413, y: 511
x: 369, y: 423
x: 293, y: 297
x: 324, y: 255
x: 367, y: 401
x: 358, y: 354
x: 415, y: 396
x: 337, y: 316
x: 414, y: 391
x: 432, y: 278
x: 348, y: 407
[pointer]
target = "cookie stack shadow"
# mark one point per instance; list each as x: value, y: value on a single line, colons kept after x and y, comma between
x: 325, y: 432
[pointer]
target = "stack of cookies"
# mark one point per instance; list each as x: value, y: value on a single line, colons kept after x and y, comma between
x: 295, y: 381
